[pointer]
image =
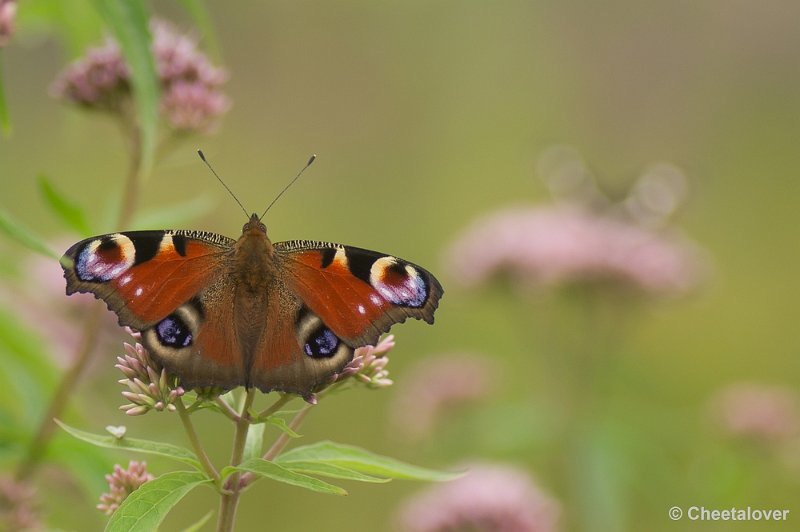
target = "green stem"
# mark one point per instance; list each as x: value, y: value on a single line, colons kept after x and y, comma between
x: 195, y: 441
x: 277, y: 405
x: 66, y: 386
x: 230, y: 499
x: 227, y: 410
x: 279, y: 445
x: 46, y: 429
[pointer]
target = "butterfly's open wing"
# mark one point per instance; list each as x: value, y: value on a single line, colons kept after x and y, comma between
x: 170, y: 285
x: 342, y: 298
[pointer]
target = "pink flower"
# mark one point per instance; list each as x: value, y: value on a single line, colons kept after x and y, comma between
x: 121, y: 483
x: 193, y: 106
x: 192, y: 99
x: 547, y: 246
x: 8, y: 14
x: 756, y: 411
x: 18, y: 506
x: 436, y: 385
x: 490, y: 498
x: 150, y: 387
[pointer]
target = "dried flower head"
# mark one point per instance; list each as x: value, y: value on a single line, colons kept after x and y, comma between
x: 547, y: 246
x: 437, y: 385
x: 121, y: 483
x: 18, y: 506
x: 8, y: 15
x: 756, y: 411
x: 192, y: 97
x: 490, y: 497
x: 150, y: 387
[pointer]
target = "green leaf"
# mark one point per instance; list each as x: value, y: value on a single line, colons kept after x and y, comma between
x: 254, y: 442
x: 128, y: 20
x: 199, y: 524
x: 28, y: 366
x: 5, y: 118
x: 67, y: 211
x: 76, y: 23
x: 267, y: 469
x: 361, y: 460
x: 324, y: 469
x: 14, y: 229
x: 175, y: 214
x: 132, y: 444
x: 146, y: 508
x: 280, y: 423
x: 87, y: 463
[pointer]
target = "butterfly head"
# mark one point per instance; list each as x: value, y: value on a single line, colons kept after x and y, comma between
x: 254, y: 225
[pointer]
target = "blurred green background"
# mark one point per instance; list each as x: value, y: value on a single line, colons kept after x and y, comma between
x: 425, y: 115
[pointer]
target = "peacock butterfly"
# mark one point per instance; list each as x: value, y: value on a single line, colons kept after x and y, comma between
x: 222, y: 312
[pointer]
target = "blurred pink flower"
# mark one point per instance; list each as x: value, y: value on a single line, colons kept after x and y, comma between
x: 192, y: 99
x: 545, y: 246
x: 18, y: 506
x: 436, y: 385
x: 8, y: 15
x: 99, y: 80
x: 121, y: 483
x: 489, y: 498
x: 757, y: 411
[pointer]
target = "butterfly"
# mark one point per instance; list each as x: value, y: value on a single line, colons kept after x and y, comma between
x: 222, y: 312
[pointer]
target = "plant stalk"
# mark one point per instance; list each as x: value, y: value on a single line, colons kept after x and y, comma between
x: 229, y: 500
x: 60, y: 399
x: 195, y: 441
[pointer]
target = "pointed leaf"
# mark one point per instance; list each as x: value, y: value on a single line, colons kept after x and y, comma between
x: 146, y: 508
x: 199, y: 524
x: 361, y: 460
x: 67, y: 211
x: 254, y: 442
x: 280, y: 423
x: 128, y: 20
x: 267, y: 469
x: 133, y: 444
x: 15, y: 230
x: 324, y: 469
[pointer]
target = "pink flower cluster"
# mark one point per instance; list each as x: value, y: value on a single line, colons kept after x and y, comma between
x: 566, y: 244
x: 121, y: 483
x: 8, y: 15
x: 490, y: 497
x: 437, y: 385
x: 756, y: 411
x: 192, y: 99
x: 150, y: 387
x: 18, y: 506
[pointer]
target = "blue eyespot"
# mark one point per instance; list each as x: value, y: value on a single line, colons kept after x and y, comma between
x: 322, y: 343
x: 173, y: 332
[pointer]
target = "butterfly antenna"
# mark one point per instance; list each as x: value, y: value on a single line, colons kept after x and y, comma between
x: 203, y: 157
x: 310, y: 160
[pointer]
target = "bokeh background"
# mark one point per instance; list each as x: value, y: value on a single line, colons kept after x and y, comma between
x: 426, y: 116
